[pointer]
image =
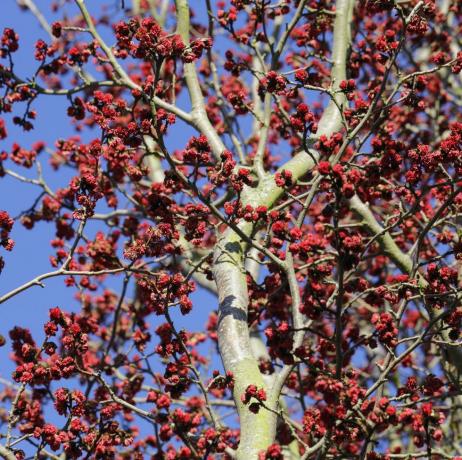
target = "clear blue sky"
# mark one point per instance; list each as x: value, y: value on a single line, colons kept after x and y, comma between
x: 30, y: 256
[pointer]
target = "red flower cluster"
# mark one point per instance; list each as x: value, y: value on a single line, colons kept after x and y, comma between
x: 283, y: 178
x: 254, y: 397
x: 9, y: 42
x: 274, y: 452
x: 386, y: 328
x: 6, y: 225
x: 273, y: 83
x: 145, y: 39
x: 304, y: 120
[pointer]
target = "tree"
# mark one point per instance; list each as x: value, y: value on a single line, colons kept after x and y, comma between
x: 299, y: 160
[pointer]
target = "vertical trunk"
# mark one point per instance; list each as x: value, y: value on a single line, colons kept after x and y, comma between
x: 257, y: 430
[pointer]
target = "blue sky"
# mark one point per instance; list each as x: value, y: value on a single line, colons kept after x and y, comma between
x: 30, y: 256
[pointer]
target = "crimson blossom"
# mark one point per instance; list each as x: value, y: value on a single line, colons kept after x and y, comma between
x: 296, y: 160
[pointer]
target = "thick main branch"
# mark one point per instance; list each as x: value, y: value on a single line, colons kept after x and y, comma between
x: 198, y: 112
x: 258, y: 430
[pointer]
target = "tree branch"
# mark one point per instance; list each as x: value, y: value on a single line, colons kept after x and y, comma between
x: 228, y: 267
x: 198, y: 112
